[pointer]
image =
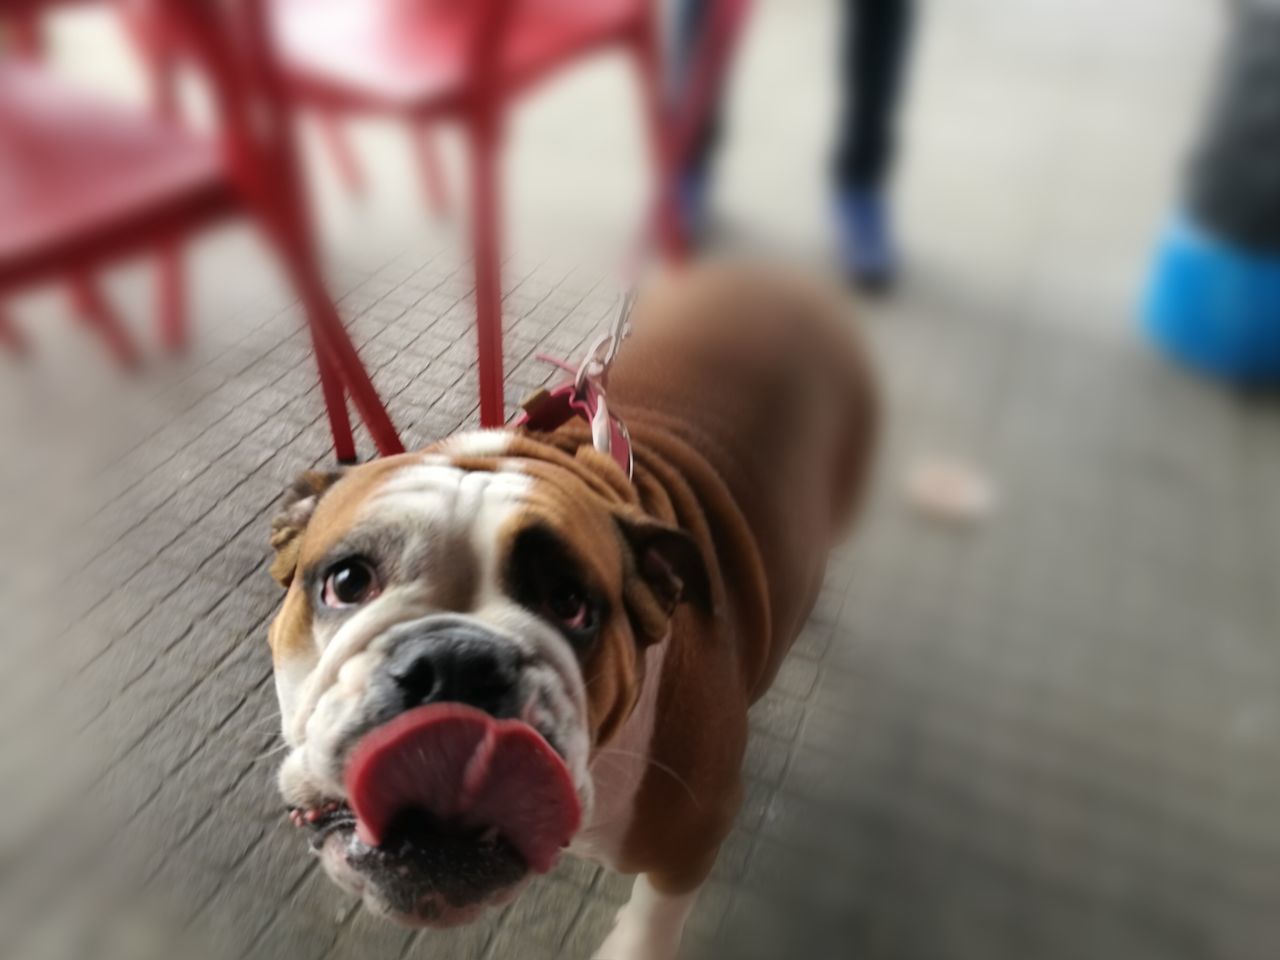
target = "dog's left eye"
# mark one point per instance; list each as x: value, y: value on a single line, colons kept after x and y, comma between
x: 569, y: 604
x: 349, y: 583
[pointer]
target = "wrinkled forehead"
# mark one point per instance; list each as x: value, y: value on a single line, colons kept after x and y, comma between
x: 440, y: 496
x: 448, y: 514
x: 416, y: 506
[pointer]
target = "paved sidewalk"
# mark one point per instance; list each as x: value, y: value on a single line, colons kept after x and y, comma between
x: 1056, y: 735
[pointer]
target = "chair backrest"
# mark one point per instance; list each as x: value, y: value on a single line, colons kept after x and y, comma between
x: 228, y: 43
x: 489, y: 26
x: 12, y: 8
x: 485, y: 24
x: 226, y: 39
x: 231, y: 42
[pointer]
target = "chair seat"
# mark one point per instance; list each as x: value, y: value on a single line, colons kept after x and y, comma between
x: 412, y: 55
x: 82, y: 178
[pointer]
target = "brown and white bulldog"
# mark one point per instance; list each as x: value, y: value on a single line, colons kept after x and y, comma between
x: 502, y: 646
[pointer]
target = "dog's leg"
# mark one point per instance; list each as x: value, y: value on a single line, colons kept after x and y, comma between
x: 649, y: 927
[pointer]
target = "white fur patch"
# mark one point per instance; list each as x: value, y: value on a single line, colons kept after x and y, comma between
x: 617, y: 770
x: 478, y: 443
x: 650, y: 926
x: 435, y: 497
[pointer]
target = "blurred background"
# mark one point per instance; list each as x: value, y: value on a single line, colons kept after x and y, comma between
x: 1049, y: 728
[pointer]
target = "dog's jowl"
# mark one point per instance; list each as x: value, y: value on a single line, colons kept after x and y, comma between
x: 502, y: 647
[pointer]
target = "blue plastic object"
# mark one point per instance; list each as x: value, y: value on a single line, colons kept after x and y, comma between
x: 1215, y: 306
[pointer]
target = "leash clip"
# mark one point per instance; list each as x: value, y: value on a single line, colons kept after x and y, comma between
x: 585, y: 396
x: 604, y: 349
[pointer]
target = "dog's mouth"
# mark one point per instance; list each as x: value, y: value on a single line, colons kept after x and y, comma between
x: 447, y: 811
x: 323, y: 820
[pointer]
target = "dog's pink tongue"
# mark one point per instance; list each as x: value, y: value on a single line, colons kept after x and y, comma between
x: 460, y: 764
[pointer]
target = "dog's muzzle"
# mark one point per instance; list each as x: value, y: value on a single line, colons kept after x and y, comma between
x: 452, y: 800
x: 446, y: 661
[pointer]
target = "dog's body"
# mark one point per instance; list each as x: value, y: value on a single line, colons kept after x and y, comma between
x: 751, y: 414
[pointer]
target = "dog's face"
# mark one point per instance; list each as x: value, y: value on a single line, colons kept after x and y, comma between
x: 490, y: 571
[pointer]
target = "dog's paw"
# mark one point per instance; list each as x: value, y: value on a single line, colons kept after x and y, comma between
x: 633, y: 939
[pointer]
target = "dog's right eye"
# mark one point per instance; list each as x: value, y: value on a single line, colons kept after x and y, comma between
x: 568, y: 604
x: 350, y: 583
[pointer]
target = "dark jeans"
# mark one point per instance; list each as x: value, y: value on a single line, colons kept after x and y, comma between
x: 873, y: 47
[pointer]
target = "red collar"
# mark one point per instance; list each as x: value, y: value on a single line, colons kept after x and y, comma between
x: 547, y: 410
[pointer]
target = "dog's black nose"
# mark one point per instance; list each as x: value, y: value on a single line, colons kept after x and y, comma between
x: 456, y: 664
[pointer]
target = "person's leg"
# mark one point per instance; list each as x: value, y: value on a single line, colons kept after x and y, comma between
x: 875, y: 39
x: 873, y: 55
x: 695, y: 172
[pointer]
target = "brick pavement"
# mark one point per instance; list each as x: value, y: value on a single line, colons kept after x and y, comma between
x: 1053, y: 736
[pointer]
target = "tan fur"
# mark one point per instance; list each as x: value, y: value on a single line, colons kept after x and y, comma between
x: 300, y: 539
x: 581, y: 498
x: 290, y: 631
x: 335, y: 513
x: 752, y: 413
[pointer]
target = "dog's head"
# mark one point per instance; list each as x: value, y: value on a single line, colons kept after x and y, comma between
x: 441, y: 608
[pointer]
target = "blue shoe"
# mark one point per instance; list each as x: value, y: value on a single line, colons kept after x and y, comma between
x: 867, y: 251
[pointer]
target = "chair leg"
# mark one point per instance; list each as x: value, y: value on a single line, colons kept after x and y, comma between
x: 344, y: 158
x: 146, y: 33
x: 161, y: 66
x: 11, y: 338
x: 98, y: 314
x: 485, y: 240
x: 433, y: 185
x: 171, y: 298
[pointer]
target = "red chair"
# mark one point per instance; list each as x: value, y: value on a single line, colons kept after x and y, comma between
x: 463, y: 60
x: 27, y: 41
x: 352, y: 178
x: 83, y: 183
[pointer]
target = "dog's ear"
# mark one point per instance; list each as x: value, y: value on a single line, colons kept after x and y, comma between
x: 668, y: 569
x: 296, y: 507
